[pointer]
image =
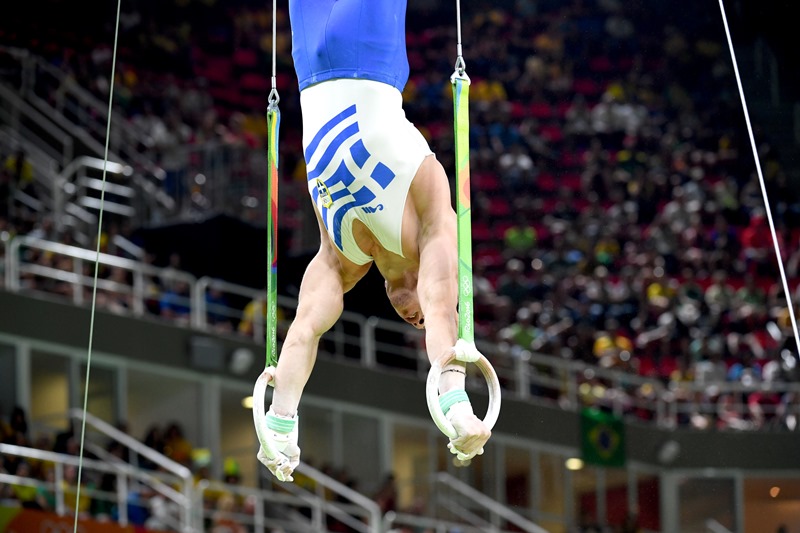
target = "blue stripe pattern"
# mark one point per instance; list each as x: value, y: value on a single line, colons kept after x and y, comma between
x: 359, y: 153
x: 327, y: 157
x: 328, y: 126
x: 342, y: 179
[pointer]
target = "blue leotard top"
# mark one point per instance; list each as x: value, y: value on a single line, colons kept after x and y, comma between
x: 349, y: 39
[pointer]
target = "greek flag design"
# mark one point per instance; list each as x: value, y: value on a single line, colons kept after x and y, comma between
x: 343, y: 173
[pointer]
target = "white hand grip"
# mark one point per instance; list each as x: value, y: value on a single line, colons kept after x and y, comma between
x: 466, y: 352
x: 432, y: 393
x: 259, y: 415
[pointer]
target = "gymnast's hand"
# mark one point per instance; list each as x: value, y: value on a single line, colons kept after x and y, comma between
x: 472, y: 433
x: 288, y: 457
x: 278, y: 434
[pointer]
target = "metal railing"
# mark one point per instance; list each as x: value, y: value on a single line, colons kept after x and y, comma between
x: 19, y: 272
x: 212, y: 176
x: 310, y: 504
x: 67, y: 116
x: 63, y: 483
x: 380, y: 343
x: 467, y: 503
x: 327, y: 499
x: 176, y: 473
x: 22, y: 118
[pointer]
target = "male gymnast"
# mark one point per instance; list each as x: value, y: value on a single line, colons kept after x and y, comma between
x: 380, y: 197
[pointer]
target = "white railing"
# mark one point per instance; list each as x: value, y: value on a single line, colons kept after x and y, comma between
x: 469, y: 504
x: 65, y: 113
x: 17, y: 271
x: 293, y: 508
x: 712, y: 526
x: 257, y: 519
x: 381, y: 343
x: 348, y: 506
x: 181, y: 475
x: 62, y: 486
x: 20, y: 117
x: 213, y: 176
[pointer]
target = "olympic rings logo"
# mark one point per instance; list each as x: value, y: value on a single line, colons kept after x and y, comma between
x: 466, y: 285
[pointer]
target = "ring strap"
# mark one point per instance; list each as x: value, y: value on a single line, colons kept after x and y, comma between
x: 280, y: 424
x: 449, y: 399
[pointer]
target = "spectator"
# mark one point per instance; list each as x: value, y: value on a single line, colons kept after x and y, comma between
x: 224, y: 521
x: 750, y: 296
x: 386, y: 496
x: 171, y: 141
x: 253, y: 317
x: 175, y: 302
x: 520, y: 239
x: 217, y: 309
x: 25, y: 494
x: 513, y: 284
x: 176, y: 446
x: 719, y: 295
x: 20, y: 169
x: 522, y: 333
x: 18, y: 422
x: 5, y: 193
x: 756, y: 241
x: 69, y: 487
x: 154, y: 439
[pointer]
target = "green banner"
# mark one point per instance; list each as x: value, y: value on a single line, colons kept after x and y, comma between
x: 602, y: 438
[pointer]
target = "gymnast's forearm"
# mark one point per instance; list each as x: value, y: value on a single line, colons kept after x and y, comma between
x: 319, y: 307
x: 294, y: 368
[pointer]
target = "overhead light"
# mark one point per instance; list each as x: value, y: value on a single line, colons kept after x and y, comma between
x: 774, y: 491
x: 668, y: 452
x: 241, y: 360
x: 247, y: 402
x: 573, y: 463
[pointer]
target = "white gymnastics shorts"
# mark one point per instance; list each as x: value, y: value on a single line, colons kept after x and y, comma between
x: 361, y: 154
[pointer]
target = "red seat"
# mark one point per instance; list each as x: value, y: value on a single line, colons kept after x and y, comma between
x: 499, y: 208
x: 569, y: 160
x: 552, y: 133
x: 600, y: 64
x: 517, y: 110
x: 586, y: 87
x: 254, y: 102
x: 647, y: 366
x: 485, y: 181
x: 480, y: 231
x: 571, y: 181
x: 499, y: 229
x: 541, y: 110
x: 217, y: 69
x: 245, y: 57
x: 255, y: 82
x: 224, y: 94
x: 546, y: 182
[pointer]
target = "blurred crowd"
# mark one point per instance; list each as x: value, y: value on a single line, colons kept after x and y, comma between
x: 225, y: 509
x: 617, y: 217
x: 98, y: 500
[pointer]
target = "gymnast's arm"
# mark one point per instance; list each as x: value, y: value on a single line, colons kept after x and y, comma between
x: 319, y: 307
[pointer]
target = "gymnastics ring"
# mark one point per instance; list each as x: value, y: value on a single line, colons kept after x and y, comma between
x: 259, y: 415
x: 432, y: 390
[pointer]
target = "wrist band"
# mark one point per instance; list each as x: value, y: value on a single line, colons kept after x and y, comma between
x: 457, y: 370
x: 280, y: 424
x: 448, y: 399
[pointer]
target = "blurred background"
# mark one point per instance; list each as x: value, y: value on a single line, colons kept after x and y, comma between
x: 626, y: 284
